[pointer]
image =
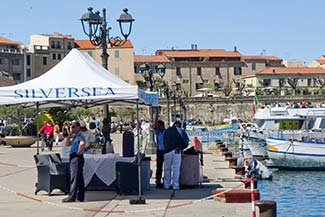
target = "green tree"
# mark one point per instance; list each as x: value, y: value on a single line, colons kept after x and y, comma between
x: 227, y: 89
x: 59, y: 114
x: 259, y: 91
x: 293, y: 82
x: 16, y: 113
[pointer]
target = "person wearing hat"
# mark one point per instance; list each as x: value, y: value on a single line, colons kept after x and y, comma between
x: 87, y: 134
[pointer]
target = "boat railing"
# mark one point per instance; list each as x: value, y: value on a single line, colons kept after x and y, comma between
x: 299, y: 135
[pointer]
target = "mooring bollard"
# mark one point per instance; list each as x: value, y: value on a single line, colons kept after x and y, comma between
x: 227, y: 154
x: 266, y: 208
x: 239, y: 170
x: 232, y: 161
x: 248, y: 184
x: 223, y: 149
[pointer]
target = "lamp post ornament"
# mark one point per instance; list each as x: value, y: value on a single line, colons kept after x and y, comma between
x: 95, y: 27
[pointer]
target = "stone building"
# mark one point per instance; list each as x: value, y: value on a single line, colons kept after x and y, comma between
x: 45, y: 51
x: 153, y: 62
x: 318, y: 62
x: 120, y: 60
x: 291, y: 81
x: 12, y: 59
x: 214, y: 70
x: 5, y: 80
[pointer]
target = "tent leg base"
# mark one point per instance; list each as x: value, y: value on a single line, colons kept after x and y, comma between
x: 137, y: 201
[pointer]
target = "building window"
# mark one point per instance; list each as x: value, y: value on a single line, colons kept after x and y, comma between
x: 58, y: 45
x: 53, y: 56
x: 52, y: 44
x: 44, y: 60
x: 178, y: 72
x: 16, y: 76
x: 90, y: 53
x: 59, y: 56
x: 178, y: 86
x: 199, y: 71
x: 117, y: 71
x: 309, y: 82
x: 3, y: 61
x: 28, y: 60
x: 117, y: 54
x: 15, y: 62
x: 218, y: 73
x: 69, y: 46
x: 237, y: 70
x: 218, y: 85
x: 185, y: 81
x: 253, y: 66
x: 282, y: 82
x: 266, y: 82
x: 28, y: 72
x: 198, y: 86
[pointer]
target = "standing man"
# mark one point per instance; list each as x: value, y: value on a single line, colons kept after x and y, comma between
x: 175, y: 141
x: 159, y: 131
x: 77, y: 185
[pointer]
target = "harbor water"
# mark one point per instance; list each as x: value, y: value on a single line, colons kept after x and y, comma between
x: 297, y: 193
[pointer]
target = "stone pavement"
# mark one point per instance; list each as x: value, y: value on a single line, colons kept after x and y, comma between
x: 17, y: 186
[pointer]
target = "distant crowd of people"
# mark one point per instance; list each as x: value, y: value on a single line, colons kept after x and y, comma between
x: 302, y: 104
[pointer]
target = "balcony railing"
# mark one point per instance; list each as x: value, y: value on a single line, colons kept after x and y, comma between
x: 11, y: 51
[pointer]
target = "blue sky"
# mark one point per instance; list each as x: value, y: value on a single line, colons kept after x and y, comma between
x: 290, y: 29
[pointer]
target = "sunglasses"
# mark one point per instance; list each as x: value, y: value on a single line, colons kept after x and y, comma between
x: 73, y: 127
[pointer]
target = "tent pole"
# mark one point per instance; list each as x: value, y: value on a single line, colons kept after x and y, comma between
x: 140, y: 200
x: 37, y: 127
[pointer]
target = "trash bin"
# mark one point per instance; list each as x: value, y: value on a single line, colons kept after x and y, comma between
x: 265, y: 208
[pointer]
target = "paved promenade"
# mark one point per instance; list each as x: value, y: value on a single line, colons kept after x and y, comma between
x: 17, y: 186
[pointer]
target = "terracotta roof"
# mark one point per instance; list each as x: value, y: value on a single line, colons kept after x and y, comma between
x: 291, y: 70
x: 199, y: 53
x: 8, y: 41
x: 321, y: 61
x: 152, y: 59
x: 261, y: 58
x: 86, y: 44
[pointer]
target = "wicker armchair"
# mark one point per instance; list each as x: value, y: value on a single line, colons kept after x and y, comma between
x: 52, y: 173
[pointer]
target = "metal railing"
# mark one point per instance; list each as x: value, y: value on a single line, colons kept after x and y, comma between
x: 213, y: 135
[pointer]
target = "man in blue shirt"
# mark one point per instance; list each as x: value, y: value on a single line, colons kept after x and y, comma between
x: 159, y: 131
x: 77, y: 142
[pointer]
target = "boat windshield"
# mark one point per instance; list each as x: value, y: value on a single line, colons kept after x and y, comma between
x: 259, y: 122
x: 309, y: 124
x: 322, y: 124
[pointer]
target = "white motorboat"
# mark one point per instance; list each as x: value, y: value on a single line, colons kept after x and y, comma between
x: 292, y: 154
x: 300, y: 149
x: 281, y: 122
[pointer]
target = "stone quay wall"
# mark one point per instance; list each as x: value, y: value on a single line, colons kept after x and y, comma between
x: 216, y: 109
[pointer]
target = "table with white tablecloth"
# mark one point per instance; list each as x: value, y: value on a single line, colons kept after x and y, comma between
x: 103, y: 166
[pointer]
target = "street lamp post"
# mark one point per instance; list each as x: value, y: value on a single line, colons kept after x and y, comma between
x: 148, y: 74
x: 95, y: 27
x: 98, y: 34
x: 167, y: 93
